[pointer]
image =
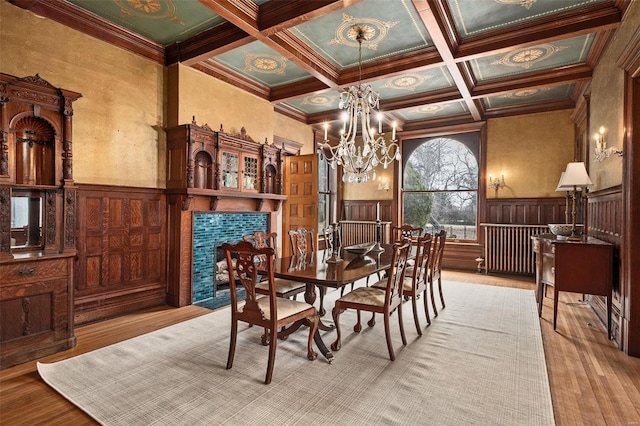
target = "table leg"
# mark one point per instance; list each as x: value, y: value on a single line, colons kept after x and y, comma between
x: 310, y: 297
x: 322, y: 347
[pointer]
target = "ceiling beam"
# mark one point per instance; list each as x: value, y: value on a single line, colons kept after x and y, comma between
x: 280, y: 16
x: 214, y: 41
x: 439, y: 28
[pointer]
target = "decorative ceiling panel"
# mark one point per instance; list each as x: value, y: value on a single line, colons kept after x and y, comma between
x: 315, y: 103
x: 413, y: 83
x: 163, y: 21
x: 426, y: 112
x: 540, y: 57
x: 526, y: 96
x: 261, y: 63
x: 473, y: 17
x: 391, y: 28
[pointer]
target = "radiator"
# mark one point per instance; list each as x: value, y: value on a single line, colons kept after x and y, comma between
x: 508, y: 248
x: 363, y: 231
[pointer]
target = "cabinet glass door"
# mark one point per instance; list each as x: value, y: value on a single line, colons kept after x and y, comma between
x: 230, y: 170
x: 250, y: 175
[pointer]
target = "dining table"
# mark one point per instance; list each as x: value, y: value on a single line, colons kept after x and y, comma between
x: 324, y: 268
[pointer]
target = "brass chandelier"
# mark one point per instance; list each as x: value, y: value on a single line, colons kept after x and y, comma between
x: 359, y: 160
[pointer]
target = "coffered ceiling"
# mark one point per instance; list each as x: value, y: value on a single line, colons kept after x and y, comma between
x: 434, y: 62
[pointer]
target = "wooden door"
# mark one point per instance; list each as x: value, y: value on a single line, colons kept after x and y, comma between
x: 301, y: 189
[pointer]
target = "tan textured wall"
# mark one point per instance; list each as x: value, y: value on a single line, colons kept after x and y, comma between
x: 369, y: 190
x: 532, y: 151
x: 214, y: 102
x: 291, y: 129
x: 607, y: 103
x: 117, y: 136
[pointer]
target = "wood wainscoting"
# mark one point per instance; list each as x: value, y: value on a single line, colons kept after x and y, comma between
x: 605, y: 222
x: 122, y: 250
x: 525, y: 211
x: 367, y: 210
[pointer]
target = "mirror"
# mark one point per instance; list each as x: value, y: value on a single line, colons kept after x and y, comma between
x: 26, y: 220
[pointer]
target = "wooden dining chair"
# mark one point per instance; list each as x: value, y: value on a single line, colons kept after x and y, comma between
x: 302, y: 241
x: 435, y: 268
x: 270, y: 312
x: 416, y: 280
x: 377, y: 300
x: 284, y: 288
x: 406, y: 231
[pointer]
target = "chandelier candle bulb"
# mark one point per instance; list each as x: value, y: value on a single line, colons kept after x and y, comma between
x: 326, y: 128
x: 393, y: 134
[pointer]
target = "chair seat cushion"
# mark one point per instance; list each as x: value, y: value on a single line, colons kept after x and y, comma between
x: 380, y: 284
x: 282, y: 286
x: 286, y: 307
x: 370, y: 296
x: 407, y: 285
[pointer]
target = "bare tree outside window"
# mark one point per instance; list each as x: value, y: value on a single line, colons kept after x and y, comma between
x: 440, y: 188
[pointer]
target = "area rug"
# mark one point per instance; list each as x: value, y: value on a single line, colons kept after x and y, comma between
x: 481, y: 362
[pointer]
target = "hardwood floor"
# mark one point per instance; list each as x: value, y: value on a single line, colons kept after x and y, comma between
x: 592, y: 382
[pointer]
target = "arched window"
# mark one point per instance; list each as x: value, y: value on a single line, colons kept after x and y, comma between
x: 440, y: 185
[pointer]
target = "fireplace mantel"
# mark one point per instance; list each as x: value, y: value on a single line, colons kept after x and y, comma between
x: 215, y: 196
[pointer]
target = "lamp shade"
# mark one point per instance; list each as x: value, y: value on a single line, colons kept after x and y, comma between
x: 575, y: 175
x: 562, y: 188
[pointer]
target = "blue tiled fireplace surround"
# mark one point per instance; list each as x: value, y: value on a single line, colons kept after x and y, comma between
x: 210, y: 230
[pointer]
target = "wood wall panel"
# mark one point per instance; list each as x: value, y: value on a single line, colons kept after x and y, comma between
x: 525, y: 211
x: 366, y: 210
x: 605, y: 222
x: 121, y: 263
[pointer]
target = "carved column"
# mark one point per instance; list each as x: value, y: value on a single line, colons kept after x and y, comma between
x: 67, y: 147
x: 5, y: 222
x: 4, y: 135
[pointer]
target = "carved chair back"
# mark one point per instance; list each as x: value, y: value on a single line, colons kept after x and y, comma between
x: 405, y: 232
x: 302, y: 241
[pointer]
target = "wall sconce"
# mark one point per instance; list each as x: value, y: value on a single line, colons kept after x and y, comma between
x: 383, y: 185
x: 601, y: 151
x: 496, y: 183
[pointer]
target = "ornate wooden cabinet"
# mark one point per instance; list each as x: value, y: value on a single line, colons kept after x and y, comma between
x: 201, y: 161
x: 37, y: 219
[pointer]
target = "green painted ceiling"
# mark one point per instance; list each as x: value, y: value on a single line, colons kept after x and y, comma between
x: 301, y: 61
